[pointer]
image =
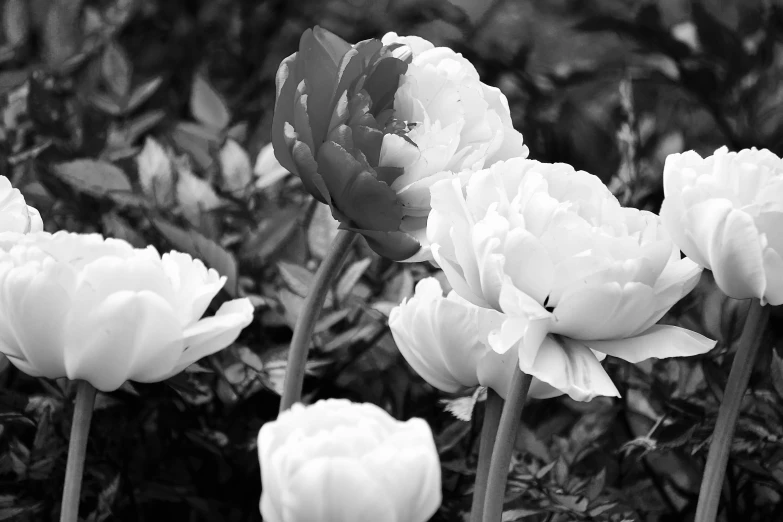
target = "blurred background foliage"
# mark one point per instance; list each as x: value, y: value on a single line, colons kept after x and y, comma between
x: 144, y: 119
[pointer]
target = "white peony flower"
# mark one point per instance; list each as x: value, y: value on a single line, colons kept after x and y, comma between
x: 85, y: 307
x: 444, y: 339
x: 15, y: 215
x: 338, y: 461
x: 726, y: 213
x: 572, y: 270
x: 457, y: 123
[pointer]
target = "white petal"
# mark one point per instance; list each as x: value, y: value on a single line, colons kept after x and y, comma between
x: 124, y: 334
x: 212, y: 334
x: 660, y: 341
x: 572, y: 369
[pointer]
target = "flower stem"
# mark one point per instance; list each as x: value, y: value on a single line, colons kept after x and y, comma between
x: 504, y: 445
x: 311, y: 309
x: 77, y: 449
x: 720, y: 445
x: 489, y: 428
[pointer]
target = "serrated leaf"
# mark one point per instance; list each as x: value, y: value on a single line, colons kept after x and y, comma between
x: 462, y: 407
x: 351, y: 276
x: 207, y: 105
x: 117, y: 69
x: 97, y: 178
x: 197, y: 245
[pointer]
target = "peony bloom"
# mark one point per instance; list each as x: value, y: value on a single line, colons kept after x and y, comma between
x: 84, y: 307
x: 338, y: 461
x: 574, y: 272
x: 726, y: 213
x: 369, y: 127
x: 444, y: 339
x: 15, y: 215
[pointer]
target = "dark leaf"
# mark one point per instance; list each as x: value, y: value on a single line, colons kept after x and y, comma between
x: 117, y: 69
x: 97, y: 178
x: 207, y: 105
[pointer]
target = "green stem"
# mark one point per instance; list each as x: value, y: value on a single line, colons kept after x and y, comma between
x: 504, y: 445
x: 77, y: 449
x: 720, y: 445
x: 489, y: 428
x: 311, y: 309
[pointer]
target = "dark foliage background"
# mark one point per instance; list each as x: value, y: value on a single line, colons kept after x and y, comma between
x: 610, y: 86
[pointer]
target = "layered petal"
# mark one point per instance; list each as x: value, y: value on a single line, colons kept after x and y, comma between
x: 112, y: 312
x: 336, y: 460
x: 724, y: 212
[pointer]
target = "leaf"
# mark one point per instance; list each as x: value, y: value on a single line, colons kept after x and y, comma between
x: 573, y: 502
x: 596, y: 485
x: 97, y: 178
x: 451, y: 436
x: 674, y: 435
x: 117, y: 69
x: 351, y: 277
x: 776, y: 373
x: 602, y: 509
x: 207, y: 105
x: 115, y: 226
x: 61, y: 32
x: 322, y: 231
x: 143, y: 92
x: 105, y: 501
x: 197, y: 141
x: 296, y: 277
x: 212, y: 254
x: 270, y: 235
x: 16, y: 22
x: 513, y: 515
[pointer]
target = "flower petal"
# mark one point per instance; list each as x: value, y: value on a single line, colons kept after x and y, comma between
x: 211, y: 334
x: 730, y: 240
x: 124, y: 334
x: 660, y: 341
x: 572, y: 368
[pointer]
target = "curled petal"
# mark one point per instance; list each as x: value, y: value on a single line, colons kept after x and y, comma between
x: 660, y: 341
x: 572, y: 368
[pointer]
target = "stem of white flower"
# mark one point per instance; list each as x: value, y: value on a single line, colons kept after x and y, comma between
x: 720, y: 445
x: 504, y: 445
x: 489, y: 428
x: 77, y: 449
x: 311, y: 309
